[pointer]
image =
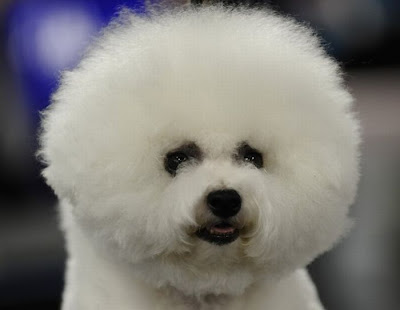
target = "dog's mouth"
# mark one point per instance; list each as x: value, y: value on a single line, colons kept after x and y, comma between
x: 220, y: 233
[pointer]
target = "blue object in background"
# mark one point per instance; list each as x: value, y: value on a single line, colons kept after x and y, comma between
x: 49, y: 36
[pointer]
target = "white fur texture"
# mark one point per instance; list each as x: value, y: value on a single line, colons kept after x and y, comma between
x: 216, y: 77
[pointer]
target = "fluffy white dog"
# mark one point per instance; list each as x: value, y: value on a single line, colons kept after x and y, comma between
x: 202, y: 158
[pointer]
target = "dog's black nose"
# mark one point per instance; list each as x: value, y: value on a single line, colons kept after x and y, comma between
x: 224, y: 203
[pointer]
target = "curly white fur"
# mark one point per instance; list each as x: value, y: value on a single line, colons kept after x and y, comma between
x: 216, y: 77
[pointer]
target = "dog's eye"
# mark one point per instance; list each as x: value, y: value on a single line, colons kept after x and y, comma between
x: 254, y: 158
x: 174, y: 160
x: 249, y: 155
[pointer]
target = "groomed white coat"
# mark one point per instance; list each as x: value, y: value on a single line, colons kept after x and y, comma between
x: 215, y: 78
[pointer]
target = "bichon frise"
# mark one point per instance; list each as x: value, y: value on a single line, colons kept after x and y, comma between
x: 202, y: 158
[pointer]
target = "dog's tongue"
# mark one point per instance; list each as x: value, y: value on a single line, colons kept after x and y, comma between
x: 222, y: 228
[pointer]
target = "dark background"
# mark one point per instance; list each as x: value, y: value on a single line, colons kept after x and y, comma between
x: 39, y: 38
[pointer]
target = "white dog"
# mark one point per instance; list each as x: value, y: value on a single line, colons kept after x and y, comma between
x: 202, y: 158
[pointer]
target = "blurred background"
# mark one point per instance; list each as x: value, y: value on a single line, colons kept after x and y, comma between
x: 40, y: 38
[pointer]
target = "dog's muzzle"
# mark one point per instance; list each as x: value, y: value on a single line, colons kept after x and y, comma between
x: 224, y: 204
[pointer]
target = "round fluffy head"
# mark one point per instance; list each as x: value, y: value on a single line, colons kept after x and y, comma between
x: 165, y: 110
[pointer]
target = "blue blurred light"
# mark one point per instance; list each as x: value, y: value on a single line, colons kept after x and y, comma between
x: 49, y: 36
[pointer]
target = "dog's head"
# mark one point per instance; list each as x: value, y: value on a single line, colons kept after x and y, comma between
x: 207, y: 147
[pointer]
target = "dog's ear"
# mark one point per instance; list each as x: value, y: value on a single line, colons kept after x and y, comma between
x: 57, y: 153
x: 63, y: 189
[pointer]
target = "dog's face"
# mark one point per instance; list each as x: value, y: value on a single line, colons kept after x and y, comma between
x: 206, y: 169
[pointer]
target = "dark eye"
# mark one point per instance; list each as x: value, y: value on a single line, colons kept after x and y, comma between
x: 254, y: 158
x: 174, y: 160
x: 185, y: 153
x: 250, y: 155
